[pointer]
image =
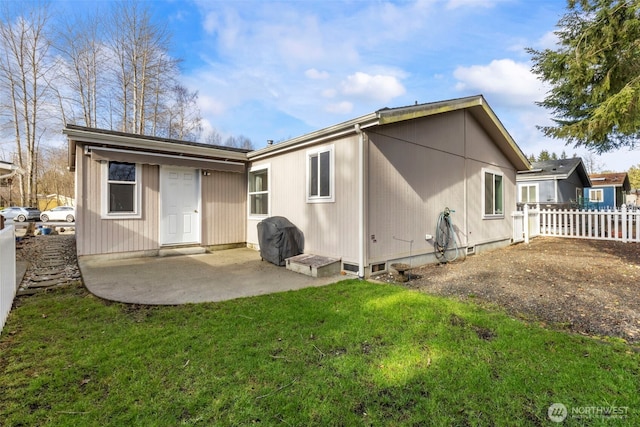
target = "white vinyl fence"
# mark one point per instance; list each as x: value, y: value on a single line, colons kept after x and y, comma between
x: 525, y: 230
x: 7, y: 272
x: 620, y: 225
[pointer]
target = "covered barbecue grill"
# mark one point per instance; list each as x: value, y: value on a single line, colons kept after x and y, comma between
x: 279, y: 239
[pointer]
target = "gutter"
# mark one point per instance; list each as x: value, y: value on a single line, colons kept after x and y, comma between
x: 361, y: 200
x: 139, y: 142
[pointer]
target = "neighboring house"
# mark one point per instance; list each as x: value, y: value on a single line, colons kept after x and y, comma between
x: 367, y: 191
x: 7, y: 173
x: 553, y: 183
x: 8, y: 170
x: 607, y: 190
x: 51, y: 201
x: 633, y: 198
x: 136, y: 194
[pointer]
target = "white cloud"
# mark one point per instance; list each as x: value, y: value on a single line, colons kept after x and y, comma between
x: 210, y: 22
x: 329, y: 93
x: 210, y: 105
x: 344, y: 107
x: 548, y: 41
x: 456, y: 4
x: 512, y: 82
x: 314, y: 74
x: 378, y: 87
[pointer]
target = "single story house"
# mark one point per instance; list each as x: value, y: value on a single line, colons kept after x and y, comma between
x: 556, y: 184
x: 633, y: 198
x: 136, y: 195
x: 368, y: 191
x: 50, y: 201
x: 608, y: 190
x: 7, y: 172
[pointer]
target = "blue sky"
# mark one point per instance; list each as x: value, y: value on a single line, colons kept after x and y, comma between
x: 279, y: 69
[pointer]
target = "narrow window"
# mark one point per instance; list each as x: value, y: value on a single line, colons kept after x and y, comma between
x: 259, y: 191
x: 320, y: 175
x: 121, y: 188
x: 493, y: 194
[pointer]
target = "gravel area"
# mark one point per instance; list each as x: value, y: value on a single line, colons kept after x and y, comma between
x: 51, y: 259
x: 586, y: 286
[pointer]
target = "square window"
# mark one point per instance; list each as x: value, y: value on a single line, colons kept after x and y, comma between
x: 596, y: 196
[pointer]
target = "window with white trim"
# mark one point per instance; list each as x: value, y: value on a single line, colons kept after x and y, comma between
x: 528, y: 193
x: 320, y: 175
x: 596, y: 196
x: 259, y: 191
x: 493, y: 194
x: 121, y: 190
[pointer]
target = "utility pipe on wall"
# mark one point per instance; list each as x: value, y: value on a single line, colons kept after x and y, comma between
x: 361, y: 242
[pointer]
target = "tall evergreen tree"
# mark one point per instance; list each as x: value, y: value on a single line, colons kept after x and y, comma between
x: 594, y: 75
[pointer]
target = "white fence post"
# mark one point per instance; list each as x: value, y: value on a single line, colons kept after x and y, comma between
x: 623, y: 219
x: 525, y: 222
x: 7, y: 272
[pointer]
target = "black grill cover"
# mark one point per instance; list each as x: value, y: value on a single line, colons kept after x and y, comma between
x: 279, y: 239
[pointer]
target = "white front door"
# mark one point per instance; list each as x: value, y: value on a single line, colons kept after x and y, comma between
x: 179, y: 215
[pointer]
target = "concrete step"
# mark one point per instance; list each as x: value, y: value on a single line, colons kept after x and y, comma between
x: 181, y: 250
x: 314, y: 265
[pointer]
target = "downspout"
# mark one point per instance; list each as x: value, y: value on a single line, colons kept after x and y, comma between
x: 361, y: 240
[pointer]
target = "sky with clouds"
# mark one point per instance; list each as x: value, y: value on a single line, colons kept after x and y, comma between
x: 280, y: 69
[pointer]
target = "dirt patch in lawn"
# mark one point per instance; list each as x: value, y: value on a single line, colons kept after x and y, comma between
x: 587, y: 286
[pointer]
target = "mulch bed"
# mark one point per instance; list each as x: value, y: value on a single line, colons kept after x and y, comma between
x: 589, y: 287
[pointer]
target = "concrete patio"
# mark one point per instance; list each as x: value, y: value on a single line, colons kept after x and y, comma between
x: 216, y: 276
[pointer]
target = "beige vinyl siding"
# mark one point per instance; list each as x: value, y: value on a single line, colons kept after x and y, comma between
x: 330, y: 229
x: 416, y: 169
x: 224, y: 208
x: 95, y: 235
x: 483, y: 155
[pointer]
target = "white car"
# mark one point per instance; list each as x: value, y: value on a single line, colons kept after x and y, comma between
x: 20, y: 214
x: 60, y: 213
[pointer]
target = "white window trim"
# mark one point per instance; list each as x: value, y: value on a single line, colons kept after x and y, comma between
x: 596, y: 190
x: 332, y: 172
x: 137, y: 194
x: 268, y: 192
x: 484, y: 208
x: 536, y: 185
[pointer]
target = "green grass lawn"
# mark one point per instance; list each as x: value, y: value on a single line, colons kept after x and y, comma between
x: 353, y: 353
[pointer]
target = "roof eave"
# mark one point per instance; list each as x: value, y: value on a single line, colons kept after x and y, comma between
x: 319, y: 136
x: 476, y: 104
x: 86, y: 136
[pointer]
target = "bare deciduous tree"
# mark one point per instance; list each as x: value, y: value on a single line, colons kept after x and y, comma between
x: 82, y: 69
x: 25, y: 72
x: 140, y: 52
x: 239, y: 142
x: 184, y: 116
x: 213, y: 137
x: 53, y: 176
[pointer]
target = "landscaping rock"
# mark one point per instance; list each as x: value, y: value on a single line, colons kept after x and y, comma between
x: 52, y: 262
